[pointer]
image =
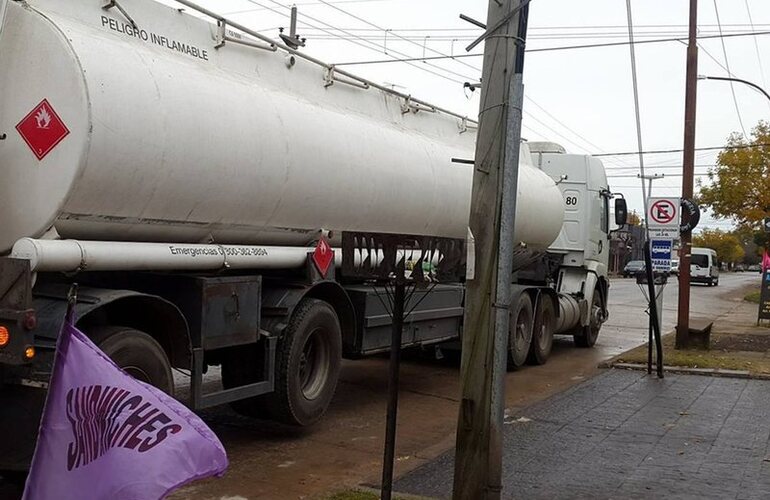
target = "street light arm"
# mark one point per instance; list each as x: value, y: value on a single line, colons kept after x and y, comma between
x: 726, y: 79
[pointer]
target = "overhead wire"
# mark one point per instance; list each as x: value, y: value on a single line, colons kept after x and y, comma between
x: 367, y: 46
x: 729, y: 73
x: 756, y: 47
x: 378, y: 46
x: 369, y: 23
x: 380, y: 28
x: 552, y: 49
x: 666, y: 151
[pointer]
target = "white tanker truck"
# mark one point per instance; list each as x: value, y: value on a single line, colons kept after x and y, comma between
x: 183, y: 169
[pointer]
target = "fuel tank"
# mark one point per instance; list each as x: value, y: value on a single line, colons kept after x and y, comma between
x: 151, y: 132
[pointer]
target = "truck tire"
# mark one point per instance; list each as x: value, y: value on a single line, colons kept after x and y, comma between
x: 520, y: 332
x: 138, y: 354
x: 542, y: 332
x: 588, y: 334
x: 308, y: 360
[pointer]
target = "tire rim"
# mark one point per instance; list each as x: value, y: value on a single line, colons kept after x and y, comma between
x: 314, y: 365
x: 596, y: 316
x: 520, y: 334
x: 544, y: 340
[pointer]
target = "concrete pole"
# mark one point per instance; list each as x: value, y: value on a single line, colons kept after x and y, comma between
x: 688, y: 179
x: 478, y: 462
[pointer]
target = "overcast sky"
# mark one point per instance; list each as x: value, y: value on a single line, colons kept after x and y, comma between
x: 580, y: 98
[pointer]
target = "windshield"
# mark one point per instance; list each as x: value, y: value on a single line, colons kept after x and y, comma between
x: 636, y: 263
x: 700, y: 260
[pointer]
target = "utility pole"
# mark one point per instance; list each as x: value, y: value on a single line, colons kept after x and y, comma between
x: 688, y: 178
x: 478, y: 461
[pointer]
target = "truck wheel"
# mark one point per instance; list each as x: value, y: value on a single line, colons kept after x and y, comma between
x: 588, y: 334
x: 308, y: 360
x: 137, y: 354
x: 520, y: 332
x: 542, y: 332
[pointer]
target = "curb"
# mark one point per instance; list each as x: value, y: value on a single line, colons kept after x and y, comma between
x: 683, y: 370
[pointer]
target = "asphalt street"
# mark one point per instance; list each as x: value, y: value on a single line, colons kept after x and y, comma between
x: 344, y: 450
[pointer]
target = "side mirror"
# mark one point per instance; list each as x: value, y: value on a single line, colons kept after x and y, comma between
x: 621, y: 211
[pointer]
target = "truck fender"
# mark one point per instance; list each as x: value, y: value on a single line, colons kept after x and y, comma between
x: 279, y: 302
x: 151, y: 314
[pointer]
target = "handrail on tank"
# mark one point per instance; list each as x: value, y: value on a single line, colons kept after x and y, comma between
x: 338, y: 71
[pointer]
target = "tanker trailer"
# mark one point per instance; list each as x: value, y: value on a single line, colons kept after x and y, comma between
x: 184, y: 169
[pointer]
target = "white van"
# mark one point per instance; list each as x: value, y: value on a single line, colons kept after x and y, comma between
x: 704, y: 266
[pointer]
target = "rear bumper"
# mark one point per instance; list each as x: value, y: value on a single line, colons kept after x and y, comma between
x: 701, y: 279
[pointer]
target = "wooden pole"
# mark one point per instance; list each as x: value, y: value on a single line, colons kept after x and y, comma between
x: 478, y: 460
x: 688, y: 179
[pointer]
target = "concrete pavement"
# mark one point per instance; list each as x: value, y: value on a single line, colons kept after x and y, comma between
x: 628, y: 435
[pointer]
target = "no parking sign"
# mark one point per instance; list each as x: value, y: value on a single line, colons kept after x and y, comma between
x: 663, y: 216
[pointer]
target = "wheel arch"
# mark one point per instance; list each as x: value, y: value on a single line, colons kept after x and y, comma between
x: 96, y: 307
x: 279, y: 302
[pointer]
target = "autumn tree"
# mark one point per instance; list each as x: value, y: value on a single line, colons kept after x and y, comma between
x: 634, y: 219
x: 727, y: 245
x: 739, y: 185
x: 753, y: 241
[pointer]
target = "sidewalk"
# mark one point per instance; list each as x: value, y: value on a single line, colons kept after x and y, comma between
x: 623, y: 434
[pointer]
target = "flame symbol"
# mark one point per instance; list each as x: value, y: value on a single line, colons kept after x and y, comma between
x: 43, y: 118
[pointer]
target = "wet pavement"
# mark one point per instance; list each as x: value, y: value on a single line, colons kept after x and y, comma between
x: 624, y: 434
x: 345, y: 449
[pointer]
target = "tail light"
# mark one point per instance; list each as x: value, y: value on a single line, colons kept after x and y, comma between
x: 5, y: 336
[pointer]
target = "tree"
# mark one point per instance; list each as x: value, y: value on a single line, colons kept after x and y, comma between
x: 739, y: 186
x: 753, y: 241
x: 727, y: 245
x: 634, y: 219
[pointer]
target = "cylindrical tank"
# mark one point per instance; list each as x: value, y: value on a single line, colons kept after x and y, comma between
x: 151, y: 133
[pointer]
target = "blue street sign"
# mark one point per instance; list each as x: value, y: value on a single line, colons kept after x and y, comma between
x: 661, y: 250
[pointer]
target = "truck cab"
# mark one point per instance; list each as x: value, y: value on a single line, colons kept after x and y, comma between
x: 583, y: 243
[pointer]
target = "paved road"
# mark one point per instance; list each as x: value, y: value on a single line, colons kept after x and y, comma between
x: 344, y: 450
x: 628, y: 320
x: 626, y: 435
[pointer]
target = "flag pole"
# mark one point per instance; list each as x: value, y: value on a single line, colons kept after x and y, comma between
x: 72, y: 299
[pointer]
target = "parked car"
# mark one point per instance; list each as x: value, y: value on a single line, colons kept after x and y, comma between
x: 755, y: 267
x: 633, y: 267
x: 739, y: 268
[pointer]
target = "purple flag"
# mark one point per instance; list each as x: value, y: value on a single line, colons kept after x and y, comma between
x: 106, y: 435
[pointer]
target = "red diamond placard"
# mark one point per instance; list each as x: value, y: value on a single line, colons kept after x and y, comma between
x: 42, y: 129
x: 323, y: 256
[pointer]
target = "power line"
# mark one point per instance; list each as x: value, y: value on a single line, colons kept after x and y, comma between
x: 553, y: 49
x: 756, y: 45
x: 299, y: 4
x: 394, y: 34
x: 729, y: 73
x: 666, y: 151
x: 368, y: 47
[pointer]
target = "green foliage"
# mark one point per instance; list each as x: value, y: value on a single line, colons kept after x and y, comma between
x: 727, y: 245
x: 740, y: 183
x: 634, y: 219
